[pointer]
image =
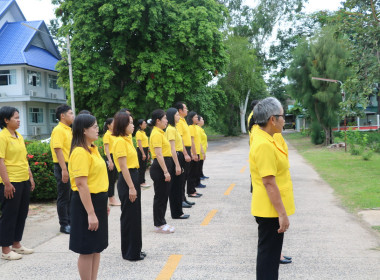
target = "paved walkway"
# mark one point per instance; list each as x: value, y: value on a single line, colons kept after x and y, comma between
x: 324, y: 240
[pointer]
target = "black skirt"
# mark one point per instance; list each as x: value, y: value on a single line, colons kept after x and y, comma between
x: 82, y: 240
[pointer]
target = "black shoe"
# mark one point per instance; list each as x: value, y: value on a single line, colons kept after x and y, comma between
x: 138, y: 259
x: 200, y: 186
x: 182, y: 217
x: 65, y: 229
x: 185, y: 205
x: 288, y: 258
x: 190, y: 202
x: 285, y: 261
x: 195, y: 195
x: 143, y: 254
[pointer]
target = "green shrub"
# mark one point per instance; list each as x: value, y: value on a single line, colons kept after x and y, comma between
x: 42, y: 167
x: 367, y: 154
x: 355, y: 150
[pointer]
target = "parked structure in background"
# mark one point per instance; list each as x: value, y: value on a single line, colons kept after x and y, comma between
x: 28, y: 79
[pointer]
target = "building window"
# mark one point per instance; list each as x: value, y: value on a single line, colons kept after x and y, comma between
x: 7, y: 77
x: 53, y: 82
x: 34, y: 78
x: 36, y: 115
x: 53, y: 118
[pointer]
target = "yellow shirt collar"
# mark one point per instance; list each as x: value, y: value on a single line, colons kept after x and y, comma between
x: 159, y: 130
x: 9, y: 133
x: 64, y: 126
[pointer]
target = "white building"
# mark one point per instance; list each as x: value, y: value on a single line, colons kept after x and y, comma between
x: 28, y: 79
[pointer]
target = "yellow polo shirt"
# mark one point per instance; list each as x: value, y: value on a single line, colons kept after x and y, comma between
x: 109, y: 139
x: 158, y: 140
x: 123, y: 147
x: 267, y: 158
x: 141, y: 135
x: 13, y: 151
x: 184, y: 131
x: 172, y: 133
x: 252, y: 131
x: 194, y: 132
x: 203, y: 141
x: 61, y: 137
x: 90, y: 165
x: 281, y: 141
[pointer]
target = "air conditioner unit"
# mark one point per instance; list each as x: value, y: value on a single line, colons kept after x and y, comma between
x: 3, y: 94
x: 36, y: 130
x: 32, y: 93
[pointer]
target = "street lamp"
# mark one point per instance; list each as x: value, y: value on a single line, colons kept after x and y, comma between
x: 343, y: 99
x: 70, y: 65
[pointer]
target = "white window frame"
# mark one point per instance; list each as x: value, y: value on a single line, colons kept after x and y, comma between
x: 11, y: 77
x: 52, y: 81
x: 52, y: 115
x: 36, y: 115
x: 34, y: 78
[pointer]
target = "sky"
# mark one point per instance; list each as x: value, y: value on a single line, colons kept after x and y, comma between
x: 44, y: 10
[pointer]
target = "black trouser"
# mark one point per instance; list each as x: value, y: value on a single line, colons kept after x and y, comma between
x: 268, y: 249
x: 142, y: 164
x: 14, y: 212
x: 201, y: 168
x: 63, y: 196
x: 176, y: 189
x: 193, y: 180
x: 161, y: 191
x: 112, y: 177
x: 130, y: 219
x: 186, y: 169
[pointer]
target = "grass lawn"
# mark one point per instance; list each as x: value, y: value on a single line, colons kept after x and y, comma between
x: 356, y: 181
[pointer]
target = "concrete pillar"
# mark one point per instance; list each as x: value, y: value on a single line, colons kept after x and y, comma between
x: 358, y: 120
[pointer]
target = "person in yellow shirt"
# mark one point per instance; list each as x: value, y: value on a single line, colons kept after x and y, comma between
x: 204, y: 144
x: 60, y: 143
x: 178, y: 176
x: 160, y: 170
x: 142, y: 151
x: 108, y: 141
x: 16, y: 182
x: 272, y: 195
x: 128, y: 186
x: 196, y: 148
x: 89, y: 201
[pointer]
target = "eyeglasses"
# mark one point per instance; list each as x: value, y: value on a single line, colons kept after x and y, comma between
x: 277, y: 116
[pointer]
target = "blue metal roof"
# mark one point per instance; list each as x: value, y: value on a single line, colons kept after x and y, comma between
x: 14, y: 41
x: 4, y: 4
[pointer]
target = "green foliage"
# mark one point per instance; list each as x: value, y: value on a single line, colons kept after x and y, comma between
x: 316, y: 133
x: 367, y: 154
x: 42, y: 167
x: 322, y: 56
x: 141, y: 54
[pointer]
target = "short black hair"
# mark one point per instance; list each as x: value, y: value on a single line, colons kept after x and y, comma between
x: 179, y: 105
x: 61, y: 109
x: 125, y: 110
x: 81, y: 123
x: 170, y: 113
x: 190, y: 117
x: 121, y: 121
x: 140, y: 122
x: 84, y: 112
x: 6, y: 113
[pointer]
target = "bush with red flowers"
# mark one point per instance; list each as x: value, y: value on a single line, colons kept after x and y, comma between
x: 42, y: 167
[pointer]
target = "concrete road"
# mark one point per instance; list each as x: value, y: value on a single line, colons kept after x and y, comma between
x: 219, y: 240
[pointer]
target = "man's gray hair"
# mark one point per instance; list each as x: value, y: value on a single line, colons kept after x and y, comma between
x: 265, y: 109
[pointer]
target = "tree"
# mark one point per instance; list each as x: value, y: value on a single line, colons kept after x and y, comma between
x: 244, y: 78
x: 322, y: 56
x: 140, y: 54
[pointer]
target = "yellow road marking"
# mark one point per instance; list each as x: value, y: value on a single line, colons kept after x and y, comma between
x: 169, y: 268
x: 243, y: 169
x: 229, y: 189
x: 208, y: 218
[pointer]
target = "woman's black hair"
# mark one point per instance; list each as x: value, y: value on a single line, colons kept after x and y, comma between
x: 81, y: 122
x: 121, y: 121
x: 6, y: 113
x: 157, y: 114
x: 190, y: 117
x: 82, y: 112
x: 170, y: 113
x: 106, y: 124
x: 140, y: 122
x: 252, y: 120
